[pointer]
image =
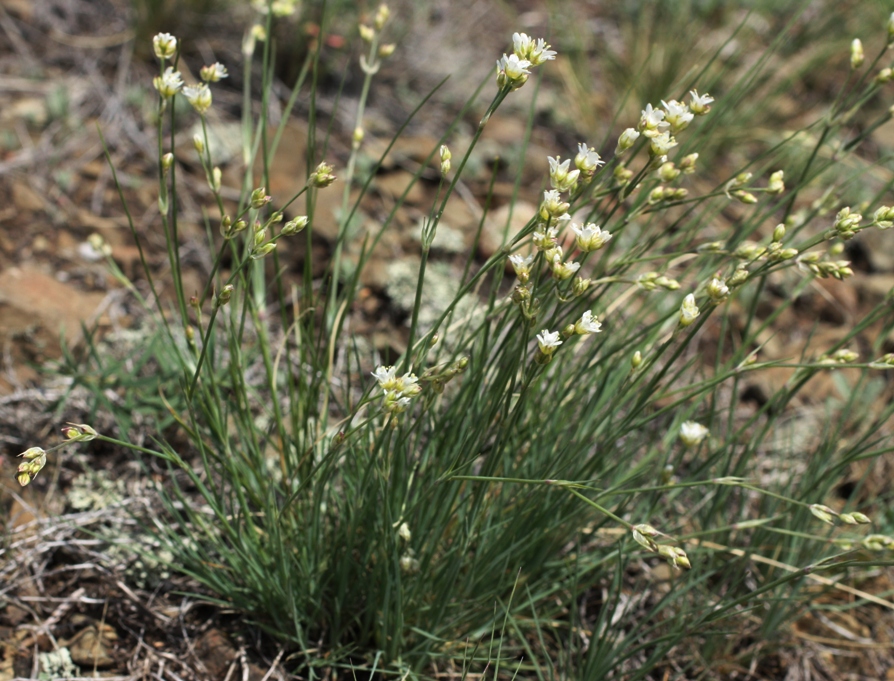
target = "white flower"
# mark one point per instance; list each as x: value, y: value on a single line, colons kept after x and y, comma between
x: 213, y: 73
x: 626, y: 140
x: 563, y: 270
x: 548, y: 341
x: 717, y: 290
x: 199, y: 96
x: 169, y: 83
x: 699, y: 104
x: 560, y: 177
x: 552, y: 205
x: 534, y: 52
x: 522, y: 266
x: 652, y: 121
x: 545, y: 237
x: 678, y: 115
x: 588, y: 323
x: 386, y: 376
x: 164, y: 45
x: 688, y: 310
x: 512, y: 71
x: 587, y: 160
x: 692, y: 433
x: 661, y: 143
x: 590, y: 237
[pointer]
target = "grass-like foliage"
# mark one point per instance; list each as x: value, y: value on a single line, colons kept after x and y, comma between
x: 505, y: 495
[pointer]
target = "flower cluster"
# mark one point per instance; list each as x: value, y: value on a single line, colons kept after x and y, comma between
x: 399, y: 390
x: 828, y: 516
x: 646, y: 535
x: 170, y: 82
x: 513, y: 69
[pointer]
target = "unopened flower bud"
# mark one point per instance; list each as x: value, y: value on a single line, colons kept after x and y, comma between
x: 259, y: 198
x: 622, y: 174
x: 580, y: 285
x: 263, y: 251
x: 294, y: 226
x: 857, y: 56
x: 224, y: 296
x: 855, y: 518
x: 445, y: 154
x: 366, y: 33
x: 636, y: 360
x: 668, y: 172
x: 404, y: 532
x: 215, y: 179
x: 687, y: 164
x: 884, y: 76
x: 79, y: 432
x: 776, y: 185
x: 167, y: 161
x: 198, y: 143
x: 744, y: 197
x: 322, y: 176
x: 824, y: 513
x: 627, y: 140
x: 675, y: 556
x: 883, y: 218
x: 35, y: 460
x: 386, y: 50
x: 645, y: 535
x: 382, y: 14
x: 877, y: 542
x: 779, y: 233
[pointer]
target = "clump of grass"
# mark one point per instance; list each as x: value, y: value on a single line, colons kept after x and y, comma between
x: 500, y: 498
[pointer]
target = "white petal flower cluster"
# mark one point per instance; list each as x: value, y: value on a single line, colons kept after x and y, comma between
x: 169, y: 83
x: 199, y: 96
x: 590, y: 237
x: 561, y: 178
x: 535, y: 51
x: 512, y: 70
x: 678, y: 115
x: 399, y: 390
